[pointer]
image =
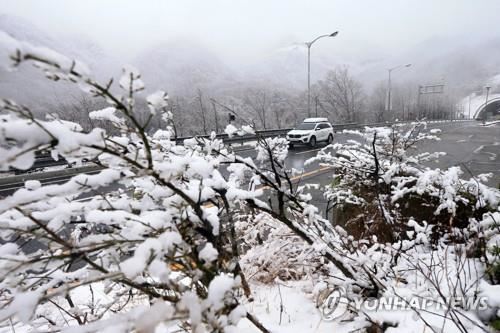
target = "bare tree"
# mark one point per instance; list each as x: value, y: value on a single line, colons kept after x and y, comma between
x: 179, y: 108
x: 258, y: 102
x: 280, y: 104
x: 376, y: 103
x: 77, y: 110
x: 202, y: 110
x: 343, y: 94
x: 216, y: 116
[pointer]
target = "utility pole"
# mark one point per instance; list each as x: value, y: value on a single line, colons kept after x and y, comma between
x: 388, y: 102
x: 309, y: 44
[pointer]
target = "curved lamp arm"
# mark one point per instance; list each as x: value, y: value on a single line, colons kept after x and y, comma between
x: 309, y: 44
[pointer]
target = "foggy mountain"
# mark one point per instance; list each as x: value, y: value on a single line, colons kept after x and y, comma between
x: 460, y: 65
x: 37, y: 90
x: 182, y: 67
x: 285, y: 67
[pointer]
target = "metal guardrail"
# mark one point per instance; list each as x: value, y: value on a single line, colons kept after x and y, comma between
x: 240, y: 138
x: 283, y: 131
x: 52, y: 176
x: 43, y: 160
x: 264, y: 134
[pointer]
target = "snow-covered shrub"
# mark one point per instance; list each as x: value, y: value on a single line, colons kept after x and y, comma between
x: 423, y: 233
x: 381, y: 183
x: 483, y: 242
x: 272, y: 253
x: 159, y: 239
x: 148, y: 241
x: 144, y: 243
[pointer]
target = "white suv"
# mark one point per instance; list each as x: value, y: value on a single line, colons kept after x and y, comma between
x: 311, y: 131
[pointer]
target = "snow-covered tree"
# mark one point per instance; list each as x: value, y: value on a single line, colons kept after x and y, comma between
x: 150, y: 240
x: 170, y: 237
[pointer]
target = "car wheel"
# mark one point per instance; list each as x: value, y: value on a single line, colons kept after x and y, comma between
x: 312, y: 142
x: 290, y: 145
x: 330, y: 139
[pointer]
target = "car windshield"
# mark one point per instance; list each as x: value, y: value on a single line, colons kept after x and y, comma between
x: 306, y: 126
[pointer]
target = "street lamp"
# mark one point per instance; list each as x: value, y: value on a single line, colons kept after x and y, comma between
x: 388, y: 102
x: 469, y: 104
x: 486, y: 102
x: 309, y: 44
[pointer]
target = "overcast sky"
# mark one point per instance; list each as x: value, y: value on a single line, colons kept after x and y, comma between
x: 248, y: 28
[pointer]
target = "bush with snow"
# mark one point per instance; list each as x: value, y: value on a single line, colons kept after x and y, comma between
x: 418, y: 228
x: 380, y: 185
x: 152, y: 250
x: 159, y: 239
x: 170, y: 243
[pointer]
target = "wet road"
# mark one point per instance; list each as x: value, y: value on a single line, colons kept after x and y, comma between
x: 476, y: 149
x: 473, y: 147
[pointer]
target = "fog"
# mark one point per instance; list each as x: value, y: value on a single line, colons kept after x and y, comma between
x: 221, y: 46
x: 240, y: 31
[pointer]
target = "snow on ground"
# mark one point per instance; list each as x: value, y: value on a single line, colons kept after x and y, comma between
x: 299, y: 312
x: 490, y: 123
x: 286, y: 307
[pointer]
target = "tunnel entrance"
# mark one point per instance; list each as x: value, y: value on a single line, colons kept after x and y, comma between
x: 490, y: 111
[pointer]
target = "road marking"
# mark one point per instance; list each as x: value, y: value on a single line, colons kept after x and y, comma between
x: 478, y: 149
x: 303, y: 175
x: 492, y: 157
x: 245, y: 149
x: 308, y: 151
x: 310, y: 173
x: 298, y: 177
x: 86, y: 198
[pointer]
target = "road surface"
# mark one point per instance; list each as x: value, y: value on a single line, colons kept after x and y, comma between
x: 473, y: 147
